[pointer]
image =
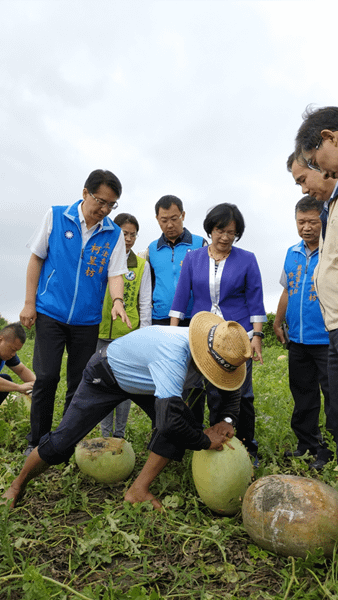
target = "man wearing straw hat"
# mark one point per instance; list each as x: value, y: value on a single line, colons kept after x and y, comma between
x: 152, y: 366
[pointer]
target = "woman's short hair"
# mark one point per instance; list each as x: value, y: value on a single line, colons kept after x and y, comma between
x: 221, y: 215
x: 100, y: 177
x: 123, y: 218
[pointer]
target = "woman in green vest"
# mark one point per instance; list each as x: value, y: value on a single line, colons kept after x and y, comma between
x: 137, y: 298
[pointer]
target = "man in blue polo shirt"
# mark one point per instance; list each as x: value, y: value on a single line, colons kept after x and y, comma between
x: 12, y: 338
x: 151, y: 366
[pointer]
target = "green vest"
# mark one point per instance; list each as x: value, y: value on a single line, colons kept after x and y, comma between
x: 110, y: 329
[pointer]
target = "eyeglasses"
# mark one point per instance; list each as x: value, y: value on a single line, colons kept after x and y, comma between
x: 165, y: 220
x: 132, y: 236
x: 230, y: 234
x: 101, y: 202
x: 310, y: 164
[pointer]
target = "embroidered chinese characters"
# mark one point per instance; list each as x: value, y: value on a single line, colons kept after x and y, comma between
x: 130, y: 290
x: 98, y: 259
x: 294, y: 280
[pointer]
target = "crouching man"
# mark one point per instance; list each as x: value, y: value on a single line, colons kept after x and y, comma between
x: 12, y: 338
x: 151, y: 366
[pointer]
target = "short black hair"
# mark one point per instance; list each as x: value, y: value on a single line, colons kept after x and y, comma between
x: 314, y: 121
x: 292, y: 158
x: 14, y: 330
x: 100, y: 177
x: 123, y: 218
x: 308, y: 203
x: 290, y: 162
x: 166, y: 202
x: 221, y: 215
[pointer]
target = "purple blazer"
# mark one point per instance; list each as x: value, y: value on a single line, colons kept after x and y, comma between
x: 241, y: 293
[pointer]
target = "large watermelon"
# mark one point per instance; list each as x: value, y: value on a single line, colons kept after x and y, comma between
x: 107, y: 460
x: 221, y: 478
x: 291, y: 515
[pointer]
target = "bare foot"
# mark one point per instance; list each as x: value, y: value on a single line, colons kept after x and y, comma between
x: 135, y: 494
x: 13, y: 493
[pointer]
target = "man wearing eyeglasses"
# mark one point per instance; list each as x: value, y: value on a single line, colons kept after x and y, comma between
x: 317, y: 144
x: 309, y: 180
x: 166, y: 256
x: 76, y: 251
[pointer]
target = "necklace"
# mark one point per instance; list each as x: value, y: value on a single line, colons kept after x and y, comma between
x: 214, y: 257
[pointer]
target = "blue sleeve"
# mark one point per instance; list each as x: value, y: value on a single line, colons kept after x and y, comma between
x: 254, y: 290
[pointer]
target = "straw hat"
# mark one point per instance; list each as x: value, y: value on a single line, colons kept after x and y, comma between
x: 220, y: 349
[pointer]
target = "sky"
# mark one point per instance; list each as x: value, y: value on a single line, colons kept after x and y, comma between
x: 200, y: 99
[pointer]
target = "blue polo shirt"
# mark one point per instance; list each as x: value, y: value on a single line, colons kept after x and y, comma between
x: 152, y: 360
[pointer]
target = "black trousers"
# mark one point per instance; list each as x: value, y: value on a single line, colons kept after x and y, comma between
x: 52, y: 337
x: 308, y: 373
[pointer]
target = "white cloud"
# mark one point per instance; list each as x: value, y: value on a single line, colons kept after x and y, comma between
x: 197, y: 98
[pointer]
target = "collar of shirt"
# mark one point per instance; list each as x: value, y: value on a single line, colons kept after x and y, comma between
x: 332, y: 197
x: 83, y: 221
x: 325, y: 212
x: 87, y: 233
x: 185, y: 237
x: 309, y: 252
x: 131, y: 259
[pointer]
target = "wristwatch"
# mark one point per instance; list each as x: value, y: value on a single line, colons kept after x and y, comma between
x: 259, y: 333
x: 228, y: 420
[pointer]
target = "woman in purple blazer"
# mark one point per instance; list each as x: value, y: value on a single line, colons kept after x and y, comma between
x: 226, y: 281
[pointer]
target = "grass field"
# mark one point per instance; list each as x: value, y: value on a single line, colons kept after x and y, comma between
x: 70, y: 537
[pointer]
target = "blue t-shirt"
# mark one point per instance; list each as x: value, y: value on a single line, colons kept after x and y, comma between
x: 152, y: 360
x: 12, y: 362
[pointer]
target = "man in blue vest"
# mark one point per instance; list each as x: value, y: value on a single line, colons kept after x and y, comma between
x: 166, y: 256
x: 77, y: 250
x: 308, y: 346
